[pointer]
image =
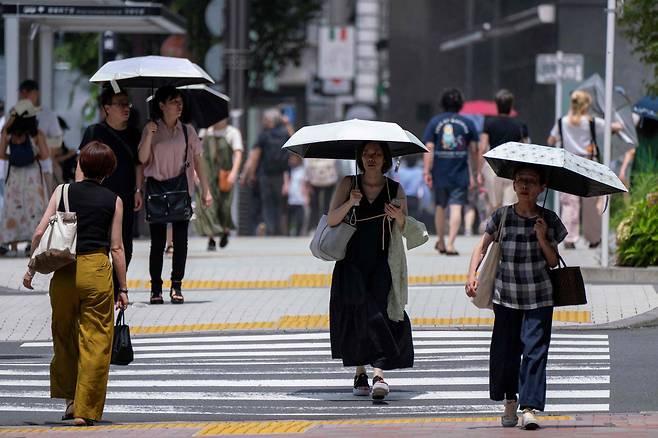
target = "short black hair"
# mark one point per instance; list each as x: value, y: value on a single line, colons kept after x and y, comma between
x: 24, y: 125
x: 533, y: 168
x: 504, y: 101
x: 28, y: 85
x: 452, y: 100
x: 163, y: 95
x: 388, y: 158
x: 107, y: 94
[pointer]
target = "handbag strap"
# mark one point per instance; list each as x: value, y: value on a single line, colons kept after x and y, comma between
x: 121, y: 318
x: 66, y: 197
x: 501, y: 225
x: 185, y: 163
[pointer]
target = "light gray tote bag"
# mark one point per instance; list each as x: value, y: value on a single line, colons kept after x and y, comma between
x: 330, y: 243
x: 487, y: 273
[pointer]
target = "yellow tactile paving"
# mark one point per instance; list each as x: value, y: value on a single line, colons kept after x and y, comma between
x: 261, y: 427
x: 294, y: 281
x: 321, y: 321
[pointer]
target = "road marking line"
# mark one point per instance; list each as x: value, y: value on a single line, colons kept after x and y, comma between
x: 417, y: 334
x: 305, y: 383
x: 306, y: 396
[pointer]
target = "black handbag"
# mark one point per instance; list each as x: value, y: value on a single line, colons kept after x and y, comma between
x: 169, y: 200
x: 122, y: 348
x: 568, y: 285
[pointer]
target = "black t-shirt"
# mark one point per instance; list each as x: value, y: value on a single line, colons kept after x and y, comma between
x: 94, y: 207
x: 274, y: 159
x: 502, y: 129
x: 122, y: 181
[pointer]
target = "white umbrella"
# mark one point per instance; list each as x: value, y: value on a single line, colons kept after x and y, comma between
x: 340, y: 140
x: 151, y: 72
x: 565, y: 171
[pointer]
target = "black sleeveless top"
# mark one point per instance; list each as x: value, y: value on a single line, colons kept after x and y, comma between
x: 94, y: 207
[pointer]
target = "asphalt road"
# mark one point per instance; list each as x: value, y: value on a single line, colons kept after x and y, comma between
x: 291, y: 376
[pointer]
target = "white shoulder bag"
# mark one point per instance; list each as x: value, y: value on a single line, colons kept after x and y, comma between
x: 57, y: 245
x: 487, y: 275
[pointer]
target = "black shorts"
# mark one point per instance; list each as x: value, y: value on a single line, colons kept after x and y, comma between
x: 445, y: 196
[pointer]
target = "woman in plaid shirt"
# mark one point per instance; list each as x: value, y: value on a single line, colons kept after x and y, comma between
x: 522, y: 298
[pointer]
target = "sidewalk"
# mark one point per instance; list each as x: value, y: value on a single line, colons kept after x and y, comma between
x: 275, y: 284
x: 586, y: 425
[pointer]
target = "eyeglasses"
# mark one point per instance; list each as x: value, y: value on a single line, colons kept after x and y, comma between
x: 122, y: 104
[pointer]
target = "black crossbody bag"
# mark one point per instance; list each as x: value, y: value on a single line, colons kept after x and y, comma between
x: 169, y: 200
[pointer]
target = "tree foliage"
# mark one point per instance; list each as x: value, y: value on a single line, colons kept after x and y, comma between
x: 640, y: 24
x: 277, y: 34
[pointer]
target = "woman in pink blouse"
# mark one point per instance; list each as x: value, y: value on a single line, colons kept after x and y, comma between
x: 162, y: 151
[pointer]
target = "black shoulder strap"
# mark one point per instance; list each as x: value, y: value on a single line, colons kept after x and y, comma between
x: 559, y: 128
x: 592, y: 133
x: 116, y: 137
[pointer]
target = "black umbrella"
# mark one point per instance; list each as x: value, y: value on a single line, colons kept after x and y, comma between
x: 203, y: 106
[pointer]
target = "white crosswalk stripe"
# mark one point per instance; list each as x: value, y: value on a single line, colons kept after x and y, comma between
x: 293, y: 376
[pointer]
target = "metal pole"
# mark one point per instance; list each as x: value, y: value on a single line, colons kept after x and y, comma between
x: 607, y: 134
x: 12, y: 54
x: 558, y: 114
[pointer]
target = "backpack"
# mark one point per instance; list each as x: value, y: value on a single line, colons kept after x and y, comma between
x: 21, y: 154
x: 275, y: 159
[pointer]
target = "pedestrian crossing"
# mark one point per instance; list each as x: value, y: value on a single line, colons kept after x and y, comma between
x: 292, y: 375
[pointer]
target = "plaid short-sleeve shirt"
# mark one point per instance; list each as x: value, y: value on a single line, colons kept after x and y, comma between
x: 522, y: 280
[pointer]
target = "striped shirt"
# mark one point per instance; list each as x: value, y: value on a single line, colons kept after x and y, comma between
x: 522, y: 280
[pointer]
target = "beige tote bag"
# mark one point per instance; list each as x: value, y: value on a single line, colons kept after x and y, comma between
x: 57, y: 245
x: 487, y: 275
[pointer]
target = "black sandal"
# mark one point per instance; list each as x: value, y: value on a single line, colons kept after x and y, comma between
x: 82, y: 422
x: 68, y: 412
x: 175, y: 293
x: 156, y: 292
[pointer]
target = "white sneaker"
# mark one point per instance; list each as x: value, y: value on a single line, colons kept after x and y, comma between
x: 509, y: 418
x: 529, y: 421
x: 379, y: 388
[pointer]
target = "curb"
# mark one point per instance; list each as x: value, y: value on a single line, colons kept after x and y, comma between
x: 618, y: 274
x: 643, y: 320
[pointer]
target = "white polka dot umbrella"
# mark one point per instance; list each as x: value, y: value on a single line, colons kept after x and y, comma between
x: 565, y: 171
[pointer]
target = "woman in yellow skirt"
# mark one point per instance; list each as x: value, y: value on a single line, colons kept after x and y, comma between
x: 82, y: 293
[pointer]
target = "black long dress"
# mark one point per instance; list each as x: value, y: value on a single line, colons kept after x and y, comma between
x: 361, y: 332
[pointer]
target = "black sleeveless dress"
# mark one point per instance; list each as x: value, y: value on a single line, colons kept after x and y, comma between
x: 361, y: 332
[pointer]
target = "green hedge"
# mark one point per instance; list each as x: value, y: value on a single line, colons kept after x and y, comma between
x: 637, y: 233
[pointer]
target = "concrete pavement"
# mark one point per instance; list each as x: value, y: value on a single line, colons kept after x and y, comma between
x: 585, y: 425
x: 275, y: 284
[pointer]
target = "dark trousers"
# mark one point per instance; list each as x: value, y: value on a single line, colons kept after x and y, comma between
x: 519, y: 353
x: 295, y: 220
x: 320, y: 200
x: 158, y: 242
x: 273, y: 203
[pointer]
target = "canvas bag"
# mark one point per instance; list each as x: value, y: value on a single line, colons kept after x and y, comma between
x: 330, y: 243
x: 57, y: 245
x: 487, y: 275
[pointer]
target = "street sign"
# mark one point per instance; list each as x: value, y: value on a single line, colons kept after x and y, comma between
x: 214, y: 62
x: 336, y: 52
x: 567, y: 66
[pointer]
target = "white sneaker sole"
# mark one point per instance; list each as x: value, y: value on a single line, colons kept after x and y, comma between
x: 379, y: 391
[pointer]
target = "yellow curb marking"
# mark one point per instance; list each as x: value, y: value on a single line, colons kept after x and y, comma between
x: 321, y: 321
x: 263, y: 427
x: 294, y: 281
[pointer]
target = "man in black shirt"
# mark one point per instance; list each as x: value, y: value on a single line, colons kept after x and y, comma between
x: 497, y: 130
x: 127, y: 179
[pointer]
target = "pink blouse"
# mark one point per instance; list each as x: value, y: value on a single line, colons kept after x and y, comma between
x: 168, y: 153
